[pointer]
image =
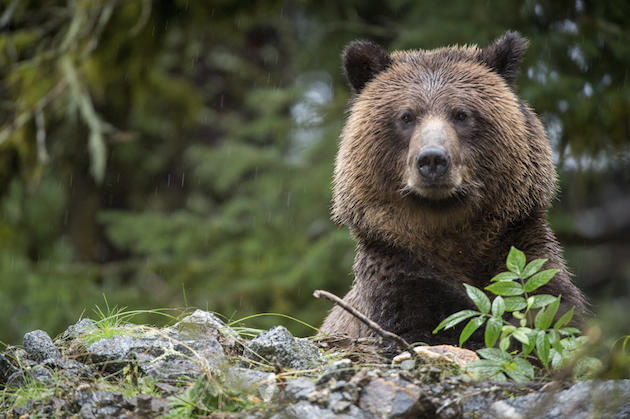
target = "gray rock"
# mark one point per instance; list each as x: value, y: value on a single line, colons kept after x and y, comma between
x: 43, y: 375
x: 68, y: 367
x: 164, y: 358
x: 278, y: 347
x: 387, y: 399
x: 103, y: 404
x: 81, y: 328
x: 305, y: 410
x: 201, y: 323
x: 586, y: 399
x: 252, y: 381
x: 6, y: 369
x: 40, y: 346
x: 112, y: 354
x: 298, y: 389
x: 17, y: 379
x: 339, y: 370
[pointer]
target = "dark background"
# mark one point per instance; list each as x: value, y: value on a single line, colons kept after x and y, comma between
x: 178, y: 154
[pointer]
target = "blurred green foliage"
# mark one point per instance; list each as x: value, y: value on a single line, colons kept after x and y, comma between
x: 179, y: 153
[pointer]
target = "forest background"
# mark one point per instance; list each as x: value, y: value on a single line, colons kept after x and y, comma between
x: 171, y: 154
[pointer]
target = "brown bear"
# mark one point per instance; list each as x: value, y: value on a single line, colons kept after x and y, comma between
x: 441, y: 169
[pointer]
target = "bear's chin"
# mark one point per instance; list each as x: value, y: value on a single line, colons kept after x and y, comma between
x: 453, y: 201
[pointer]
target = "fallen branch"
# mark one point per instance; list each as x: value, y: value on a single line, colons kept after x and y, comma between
x: 365, y: 320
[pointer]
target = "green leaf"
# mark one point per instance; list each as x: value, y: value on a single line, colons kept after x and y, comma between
x: 569, y: 331
x: 540, y: 279
x: 486, y: 368
x: 454, y: 319
x: 542, y: 300
x: 533, y: 267
x: 493, y: 328
x: 478, y: 297
x: 505, y: 288
x: 520, y: 370
x: 542, y: 347
x: 527, y: 349
x: 515, y: 303
x: 564, y: 319
x: 515, y: 261
x: 520, y: 334
x: 504, y: 343
x: 545, y: 316
x: 494, y: 354
x: 498, y: 306
x: 557, y: 360
x: 504, y: 276
x: 470, y: 328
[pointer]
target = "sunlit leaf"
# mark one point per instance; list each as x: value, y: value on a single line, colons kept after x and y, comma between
x: 520, y: 370
x: 515, y: 261
x: 542, y: 347
x: 541, y: 300
x: 545, y: 316
x: 540, y: 279
x: 505, y: 276
x: 494, y: 354
x: 478, y: 297
x: 498, y: 306
x: 533, y: 267
x: 520, y: 334
x: 454, y: 319
x: 564, y: 319
x: 514, y: 303
x: 505, y: 288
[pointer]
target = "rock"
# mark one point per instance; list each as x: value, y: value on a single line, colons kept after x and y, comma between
x: 6, y: 369
x: 111, y: 354
x: 103, y: 404
x: 384, y: 398
x: 586, y: 399
x: 278, y: 347
x: 201, y: 323
x: 305, y: 410
x: 440, y: 354
x: 43, y: 375
x: 40, y: 346
x: 164, y: 358
x: 68, y: 367
x: 79, y: 329
x: 298, y: 389
x: 339, y: 370
x: 252, y: 381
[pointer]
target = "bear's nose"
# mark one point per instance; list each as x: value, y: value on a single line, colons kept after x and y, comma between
x: 433, y: 162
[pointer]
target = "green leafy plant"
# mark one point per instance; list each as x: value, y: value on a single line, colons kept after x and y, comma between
x: 532, y: 325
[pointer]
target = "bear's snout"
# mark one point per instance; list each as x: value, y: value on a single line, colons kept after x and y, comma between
x: 433, y: 162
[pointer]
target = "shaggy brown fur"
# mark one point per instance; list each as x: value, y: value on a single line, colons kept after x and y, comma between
x: 419, y: 238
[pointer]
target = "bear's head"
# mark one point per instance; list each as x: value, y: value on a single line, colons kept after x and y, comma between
x: 436, y: 140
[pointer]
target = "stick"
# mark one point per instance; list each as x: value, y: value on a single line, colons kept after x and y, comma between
x: 369, y: 323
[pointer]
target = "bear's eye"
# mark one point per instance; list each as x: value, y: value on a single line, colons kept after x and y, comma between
x: 460, y: 116
x: 407, y: 117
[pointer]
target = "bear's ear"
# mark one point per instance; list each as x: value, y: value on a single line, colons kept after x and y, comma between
x: 505, y: 56
x: 362, y: 60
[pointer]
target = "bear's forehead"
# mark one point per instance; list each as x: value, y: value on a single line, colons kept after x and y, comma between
x: 441, y: 73
x: 437, y: 57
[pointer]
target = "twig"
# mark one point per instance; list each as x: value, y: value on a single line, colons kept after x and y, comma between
x: 369, y: 323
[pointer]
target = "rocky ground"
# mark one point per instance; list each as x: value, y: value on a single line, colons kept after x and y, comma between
x: 200, y: 367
